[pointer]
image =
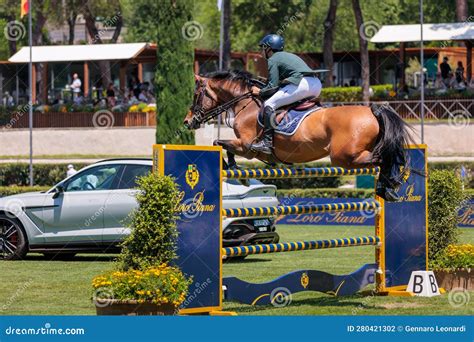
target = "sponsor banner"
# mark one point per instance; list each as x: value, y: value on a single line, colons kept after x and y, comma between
x: 356, y: 218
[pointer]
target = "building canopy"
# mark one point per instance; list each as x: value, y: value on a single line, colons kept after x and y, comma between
x: 431, y: 32
x: 78, y: 53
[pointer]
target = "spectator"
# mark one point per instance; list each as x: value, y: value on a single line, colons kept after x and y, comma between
x: 460, y: 72
x: 445, y: 71
x: 76, y: 87
x: 439, y: 84
x: 111, y: 95
x: 70, y: 170
x: 143, y: 97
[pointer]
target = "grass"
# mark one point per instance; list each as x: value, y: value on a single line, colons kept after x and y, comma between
x: 39, y: 287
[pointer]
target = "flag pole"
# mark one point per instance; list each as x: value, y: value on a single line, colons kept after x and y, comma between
x: 422, y: 61
x: 30, y: 81
x: 220, y: 5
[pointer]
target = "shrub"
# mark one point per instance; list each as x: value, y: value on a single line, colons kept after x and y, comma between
x: 353, y: 94
x: 153, y: 225
x: 13, y: 190
x: 44, y: 174
x: 455, y: 257
x: 445, y: 197
x: 159, y: 285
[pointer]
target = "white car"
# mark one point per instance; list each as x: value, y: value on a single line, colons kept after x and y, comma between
x: 85, y: 212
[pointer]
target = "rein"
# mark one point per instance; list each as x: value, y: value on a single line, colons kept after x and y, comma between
x: 202, y: 116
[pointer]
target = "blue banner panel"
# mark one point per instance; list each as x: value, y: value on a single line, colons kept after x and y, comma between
x: 409, y: 215
x: 197, y: 173
x: 352, y: 218
x: 343, y: 218
x: 236, y: 329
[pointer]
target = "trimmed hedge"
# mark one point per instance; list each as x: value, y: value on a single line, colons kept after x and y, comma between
x: 44, y: 174
x: 353, y: 94
x: 13, y: 190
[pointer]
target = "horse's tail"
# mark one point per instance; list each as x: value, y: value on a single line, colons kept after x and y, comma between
x: 389, y: 151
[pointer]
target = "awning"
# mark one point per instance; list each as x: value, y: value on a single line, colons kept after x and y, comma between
x: 78, y: 53
x: 431, y: 32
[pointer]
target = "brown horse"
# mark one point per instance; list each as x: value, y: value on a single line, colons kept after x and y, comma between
x: 352, y: 136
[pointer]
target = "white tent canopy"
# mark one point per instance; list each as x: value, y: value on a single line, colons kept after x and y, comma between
x: 431, y: 32
x: 78, y: 53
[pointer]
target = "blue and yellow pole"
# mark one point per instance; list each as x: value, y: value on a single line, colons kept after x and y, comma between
x: 369, y: 205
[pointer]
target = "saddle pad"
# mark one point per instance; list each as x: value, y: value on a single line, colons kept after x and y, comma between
x: 291, y: 121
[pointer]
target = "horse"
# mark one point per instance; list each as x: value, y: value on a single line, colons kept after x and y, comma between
x: 352, y: 136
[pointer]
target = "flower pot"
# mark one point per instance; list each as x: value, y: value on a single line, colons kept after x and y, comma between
x: 459, y: 278
x: 112, y: 307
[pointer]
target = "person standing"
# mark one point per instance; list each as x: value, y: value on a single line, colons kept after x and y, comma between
x: 445, y: 71
x: 459, y: 73
x: 70, y: 170
x: 76, y: 87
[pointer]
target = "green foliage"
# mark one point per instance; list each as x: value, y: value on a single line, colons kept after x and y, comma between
x: 13, y: 190
x: 455, y: 257
x: 165, y: 22
x: 44, y: 174
x: 445, y: 197
x: 353, y: 94
x: 160, y: 285
x: 152, y: 240
x: 326, y: 193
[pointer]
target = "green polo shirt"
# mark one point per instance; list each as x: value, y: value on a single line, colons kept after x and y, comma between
x: 285, y: 68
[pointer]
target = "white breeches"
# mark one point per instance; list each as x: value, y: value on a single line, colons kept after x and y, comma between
x: 308, y: 87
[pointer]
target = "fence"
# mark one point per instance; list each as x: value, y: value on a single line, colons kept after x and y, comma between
x: 82, y: 119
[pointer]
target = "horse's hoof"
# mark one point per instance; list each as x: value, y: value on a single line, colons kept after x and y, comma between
x: 387, y: 194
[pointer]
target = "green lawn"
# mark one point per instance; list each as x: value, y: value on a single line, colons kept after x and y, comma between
x: 39, y: 287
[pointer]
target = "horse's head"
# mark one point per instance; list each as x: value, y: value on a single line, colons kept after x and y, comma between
x: 215, y: 94
x: 204, y: 100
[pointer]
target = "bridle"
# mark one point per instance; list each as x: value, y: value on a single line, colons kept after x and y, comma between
x: 200, y: 115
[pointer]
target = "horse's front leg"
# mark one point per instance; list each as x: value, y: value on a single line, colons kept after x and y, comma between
x: 234, y: 147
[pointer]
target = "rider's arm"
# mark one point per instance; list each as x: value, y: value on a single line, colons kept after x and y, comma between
x: 273, y: 79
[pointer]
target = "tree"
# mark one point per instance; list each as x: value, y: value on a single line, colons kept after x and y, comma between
x: 461, y: 10
x: 226, y: 56
x: 90, y: 11
x: 329, y: 24
x: 364, y: 51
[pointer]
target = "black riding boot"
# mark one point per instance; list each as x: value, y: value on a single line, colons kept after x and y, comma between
x: 266, y: 144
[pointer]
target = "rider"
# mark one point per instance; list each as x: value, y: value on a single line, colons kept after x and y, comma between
x: 290, y: 79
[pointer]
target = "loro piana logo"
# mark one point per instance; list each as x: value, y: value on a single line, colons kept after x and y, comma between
x: 192, y: 175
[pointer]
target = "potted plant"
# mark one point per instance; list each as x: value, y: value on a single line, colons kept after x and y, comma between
x: 453, y: 267
x: 144, y: 281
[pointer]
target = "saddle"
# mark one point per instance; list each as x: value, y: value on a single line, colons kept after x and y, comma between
x: 298, y: 106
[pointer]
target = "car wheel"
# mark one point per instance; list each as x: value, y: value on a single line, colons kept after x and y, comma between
x: 59, y: 256
x: 13, y: 240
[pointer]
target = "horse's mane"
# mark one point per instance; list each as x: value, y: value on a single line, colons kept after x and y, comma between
x: 235, y: 75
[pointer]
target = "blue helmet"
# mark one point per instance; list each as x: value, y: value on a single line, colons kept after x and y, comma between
x: 274, y: 41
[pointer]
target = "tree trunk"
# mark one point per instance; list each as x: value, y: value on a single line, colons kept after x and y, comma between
x: 71, y: 21
x: 12, y: 47
x: 118, y: 28
x: 328, y: 57
x: 364, y: 52
x: 461, y: 10
x: 104, y: 66
x: 226, y: 55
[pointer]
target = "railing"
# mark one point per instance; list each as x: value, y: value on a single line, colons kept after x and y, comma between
x: 434, y: 109
x: 83, y: 119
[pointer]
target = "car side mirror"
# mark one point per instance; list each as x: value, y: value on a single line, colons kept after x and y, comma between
x: 59, y: 191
